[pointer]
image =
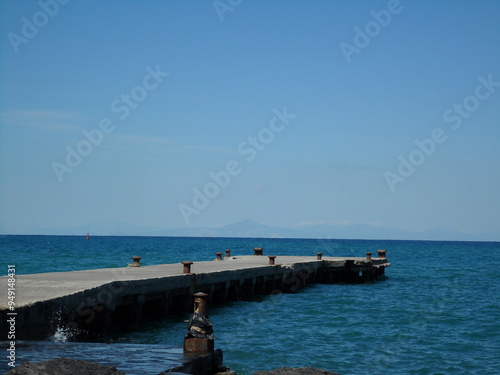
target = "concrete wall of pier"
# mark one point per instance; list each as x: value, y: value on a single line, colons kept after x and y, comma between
x: 125, y: 304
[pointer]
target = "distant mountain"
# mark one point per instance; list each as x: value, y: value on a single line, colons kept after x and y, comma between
x: 365, y: 231
x: 250, y: 228
x: 246, y: 228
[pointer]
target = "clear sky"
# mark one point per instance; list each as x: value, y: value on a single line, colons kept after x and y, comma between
x: 378, y: 112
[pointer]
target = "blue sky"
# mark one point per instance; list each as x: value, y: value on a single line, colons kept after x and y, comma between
x: 172, y: 91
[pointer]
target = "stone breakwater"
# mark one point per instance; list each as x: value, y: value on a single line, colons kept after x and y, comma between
x: 64, y: 366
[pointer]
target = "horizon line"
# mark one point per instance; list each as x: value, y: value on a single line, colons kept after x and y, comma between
x: 251, y: 237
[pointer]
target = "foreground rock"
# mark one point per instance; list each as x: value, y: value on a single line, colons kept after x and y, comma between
x: 63, y: 366
x: 296, y: 371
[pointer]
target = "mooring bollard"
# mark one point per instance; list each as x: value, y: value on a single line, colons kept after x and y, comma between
x: 137, y: 262
x: 228, y: 253
x: 187, y: 267
x: 271, y: 259
x: 382, y: 253
x: 200, y: 336
x: 319, y: 256
x: 258, y: 251
x: 369, y: 256
x: 200, y: 302
x: 219, y: 256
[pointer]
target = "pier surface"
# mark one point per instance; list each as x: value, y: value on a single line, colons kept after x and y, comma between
x: 93, y: 302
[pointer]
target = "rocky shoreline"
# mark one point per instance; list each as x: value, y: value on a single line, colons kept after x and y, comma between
x: 64, y: 366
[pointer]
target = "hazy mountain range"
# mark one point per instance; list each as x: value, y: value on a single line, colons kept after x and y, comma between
x: 250, y: 228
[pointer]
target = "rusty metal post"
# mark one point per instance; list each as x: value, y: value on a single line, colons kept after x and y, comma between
x: 199, y: 339
x: 369, y: 256
x: 319, y: 256
x: 219, y: 256
x: 382, y: 253
x: 200, y: 302
x: 271, y: 259
x: 258, y: 251
x: 187, y: 267
x: 137, y: 262
x: 228, y: 253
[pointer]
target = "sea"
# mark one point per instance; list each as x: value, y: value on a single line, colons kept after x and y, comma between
x: 436, y: 311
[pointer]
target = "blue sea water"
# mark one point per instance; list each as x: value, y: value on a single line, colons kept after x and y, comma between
x: 436, y: 312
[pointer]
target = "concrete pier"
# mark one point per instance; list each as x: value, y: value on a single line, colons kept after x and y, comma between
x: 90, y: 303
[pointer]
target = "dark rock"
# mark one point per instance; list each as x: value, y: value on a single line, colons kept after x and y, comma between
x: 224, y: 370
x: 296, y: 371
x: 63, y: 366
x: 206, y: 364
